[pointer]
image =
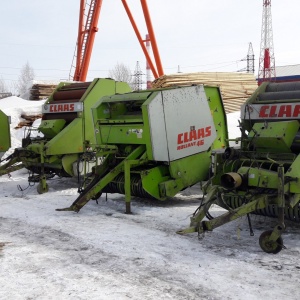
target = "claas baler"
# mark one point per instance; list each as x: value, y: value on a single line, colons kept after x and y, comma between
x: 65, y: 133
x: 154, y: 143
x: 262, y: 176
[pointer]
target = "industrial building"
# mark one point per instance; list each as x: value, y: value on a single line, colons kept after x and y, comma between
x: 287, y: 73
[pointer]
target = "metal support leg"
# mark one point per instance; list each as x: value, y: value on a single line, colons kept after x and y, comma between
x: 281, y: 199
x: 271, y: 241
x: 42, y: 186
x: 127, y: 187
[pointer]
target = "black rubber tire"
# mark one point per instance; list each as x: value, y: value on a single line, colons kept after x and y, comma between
x: 269, y: 246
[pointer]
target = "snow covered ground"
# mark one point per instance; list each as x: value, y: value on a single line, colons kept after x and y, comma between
x: 102, y: 253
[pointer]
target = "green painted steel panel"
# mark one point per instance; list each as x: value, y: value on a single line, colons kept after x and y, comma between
x: 191, y: 169
x: 68, y: 141
x: 294, y: 172
x: 5, y: 142
x: 122, y: 134
x: 51, y: 128
x: 217, y: 110
x: 274, y: 137
x: 151, y: 180
x: 98, y: 89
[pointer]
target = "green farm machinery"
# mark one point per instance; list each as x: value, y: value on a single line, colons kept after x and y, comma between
x: 262, y: 175
x: 66, y: 132
x: 5, y: 133
x: 154, y: 143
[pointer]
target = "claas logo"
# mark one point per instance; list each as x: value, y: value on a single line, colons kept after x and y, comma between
x: 61, y: 107
x: 279, y: 111
x: 194, y: 137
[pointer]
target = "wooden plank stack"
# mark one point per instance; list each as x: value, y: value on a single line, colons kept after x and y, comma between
x: 28, y: 120
x: 235, y: 88
x: 39, y: 91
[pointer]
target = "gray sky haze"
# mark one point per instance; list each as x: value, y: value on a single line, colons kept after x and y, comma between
x: 197, y: 35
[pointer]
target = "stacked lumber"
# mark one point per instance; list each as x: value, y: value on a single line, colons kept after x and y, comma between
x: 39, y: 91
x: 28, y: 120
x: 235, y: 88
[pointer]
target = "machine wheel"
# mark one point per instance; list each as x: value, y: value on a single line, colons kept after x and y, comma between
x: 270, y: 246
x: 42, y: 190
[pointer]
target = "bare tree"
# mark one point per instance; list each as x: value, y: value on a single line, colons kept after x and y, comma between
x: 121, y: 73
x: 27, y: 75
x: 2, y: 86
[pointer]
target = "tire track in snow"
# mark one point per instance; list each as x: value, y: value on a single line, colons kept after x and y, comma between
x: 74, y: 260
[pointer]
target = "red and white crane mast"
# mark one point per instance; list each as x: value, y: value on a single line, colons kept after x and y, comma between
x: 266, y: 70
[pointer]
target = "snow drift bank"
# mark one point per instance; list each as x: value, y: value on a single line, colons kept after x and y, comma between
x: 15, y: 107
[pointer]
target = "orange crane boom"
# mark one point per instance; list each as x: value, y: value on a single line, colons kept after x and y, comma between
x: 88, y: 21
x: 158, y: 71
x: 87, y: 27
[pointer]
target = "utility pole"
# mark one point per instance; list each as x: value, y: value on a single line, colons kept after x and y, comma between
x: 137, y: 77
x: 250, y: 61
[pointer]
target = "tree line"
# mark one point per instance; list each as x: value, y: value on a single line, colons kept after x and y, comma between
x: 120, y: 72
x: 21, y: 86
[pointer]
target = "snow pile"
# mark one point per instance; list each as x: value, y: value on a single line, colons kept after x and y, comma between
x: 13, y: 104
x: 233, y: 124
x: 15, y: 107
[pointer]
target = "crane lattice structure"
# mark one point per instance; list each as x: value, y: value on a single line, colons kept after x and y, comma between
x: 266, y: 70
x: 88, y: 20
x: 87, y: 28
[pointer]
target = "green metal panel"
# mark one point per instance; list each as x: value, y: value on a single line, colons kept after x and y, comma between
x: 260, y: 177
x: 122, y: 134
x: 152, y: 178
x: 274, y: 137
x: 294, y: 172
x: 146, y: 133
x: 51, y: 128
x: 128, y: 97
x: 67, y: 163
x: 214, y: 97
x: 181, y: 169
x: 118, y: 119
x: 191, y: 169
x: 68, y: 141
x: 98, y: 89
x: 5, y: 142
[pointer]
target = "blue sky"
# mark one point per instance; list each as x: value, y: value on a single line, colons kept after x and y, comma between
x: 197, y: 35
